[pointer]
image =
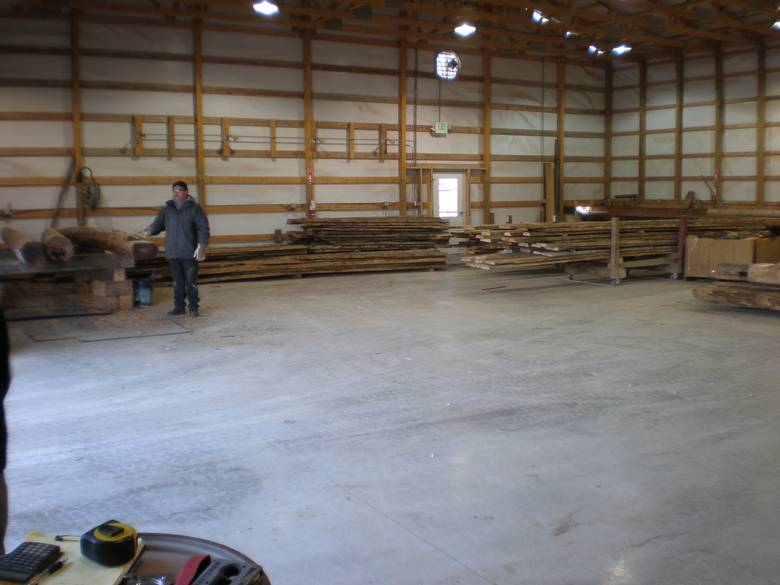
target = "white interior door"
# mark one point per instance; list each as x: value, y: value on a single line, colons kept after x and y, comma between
x: 449, y: 201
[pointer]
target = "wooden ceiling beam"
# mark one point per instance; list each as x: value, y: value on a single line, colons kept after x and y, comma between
x: 583, y: 29
x: 613, y: 18
x: 678, y: 11
x: 92, y: 7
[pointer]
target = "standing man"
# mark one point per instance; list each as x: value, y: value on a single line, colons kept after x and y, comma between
x: 186, y: 230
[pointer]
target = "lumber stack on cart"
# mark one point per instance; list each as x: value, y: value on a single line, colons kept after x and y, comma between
x: 325, y: 246
x: 482, y: 239
x: 371, y: 233
x: 639, y: 242
x: 759, y: 289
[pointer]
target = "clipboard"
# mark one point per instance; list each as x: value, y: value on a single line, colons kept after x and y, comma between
x: 79, y: 570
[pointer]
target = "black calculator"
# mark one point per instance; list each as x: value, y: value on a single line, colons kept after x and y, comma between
x: 27, y: 560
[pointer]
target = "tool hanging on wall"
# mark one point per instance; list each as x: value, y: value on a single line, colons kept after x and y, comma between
x: 87, y: 188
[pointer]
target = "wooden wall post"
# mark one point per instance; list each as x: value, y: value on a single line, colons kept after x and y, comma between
x: 561, y: 135
x: 272, y: 138
x: 170, y: 124
x: 679, y: 65
x: 308, y: 120
x: 467, y: 198
x: 402, y: 66
x: 200, y: 162
x: 75, y: 93
x: 642, y: 127
x: 719, y: 116
x: 487, y: 98
x: 761, y: 127
x: 610, y: 83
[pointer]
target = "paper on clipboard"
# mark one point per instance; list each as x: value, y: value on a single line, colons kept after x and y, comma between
x: 79, y: 570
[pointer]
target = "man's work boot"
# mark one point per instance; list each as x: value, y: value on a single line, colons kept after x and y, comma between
x: 194, y: 313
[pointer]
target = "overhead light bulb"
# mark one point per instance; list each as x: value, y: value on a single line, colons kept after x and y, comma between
x: 621, y: 49
x: 776, y: 25
x: 594, y: 50
x: 465, y: 29
x: 539, y: 18
x: 570, y: 34
x: 266, y: 8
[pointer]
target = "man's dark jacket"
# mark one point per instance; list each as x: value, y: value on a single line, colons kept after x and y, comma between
x: 184, y: 228
x: 5, y: 382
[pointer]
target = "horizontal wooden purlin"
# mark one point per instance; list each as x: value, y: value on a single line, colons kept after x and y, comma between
x: 184, y: 88
x: 291, y: 154
x: 211, y: 209
x: 36, y: 116
x: 444, y: 166
x: 516, y: 180
x: 688, y: 80
x: 280, y: 64
x: 265, y: 122
x: 35, y: 151
x: 211, y: 180
x: 583, y: 180
x: 508, y: 204
x: 697, y: 178
x: 685, y: 129
x: 246, y: 91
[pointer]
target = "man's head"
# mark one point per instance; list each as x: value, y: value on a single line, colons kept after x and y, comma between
x: 180, y: 192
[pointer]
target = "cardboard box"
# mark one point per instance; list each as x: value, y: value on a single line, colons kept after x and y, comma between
x: 702, y: 255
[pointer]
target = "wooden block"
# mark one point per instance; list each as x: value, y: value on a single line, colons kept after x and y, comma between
x: 102, y: 288
x: 119, y: 275
x: 83, y: 288
x: 125, y: 302
x: 110, y: 303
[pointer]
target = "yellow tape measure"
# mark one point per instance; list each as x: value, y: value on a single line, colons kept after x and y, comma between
x: 110, y: 544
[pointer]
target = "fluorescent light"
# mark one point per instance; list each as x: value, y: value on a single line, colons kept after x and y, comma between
x: 465, y: 29
x: 539, y: 18
x: 266, y: 8
x: 621, y: 49
x: 776, y: 24
x: 594, y: 50
x: 570, y: 34
x: 583, y: 209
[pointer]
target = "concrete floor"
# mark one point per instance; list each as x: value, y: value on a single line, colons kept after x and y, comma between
x: 422, y: 428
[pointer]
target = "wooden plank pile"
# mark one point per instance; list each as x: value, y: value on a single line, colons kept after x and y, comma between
x: 364, y: 234
x: 759, y: 289
x: 551, y: 244
x: 325, y: 246
x: 482, y: 239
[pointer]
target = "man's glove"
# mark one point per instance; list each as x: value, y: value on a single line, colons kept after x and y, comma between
x: 200, y: 252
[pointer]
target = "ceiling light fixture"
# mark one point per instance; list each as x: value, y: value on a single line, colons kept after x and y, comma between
x: 266, y: 8
x: 776, y: 25
x: 465, y: 29
x: 539, y: 18
x: 570, y: 34
x: 594, y: 50
x: 621, y: 49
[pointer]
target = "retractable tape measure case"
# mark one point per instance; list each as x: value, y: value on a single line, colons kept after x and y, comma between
x: 110, y: 544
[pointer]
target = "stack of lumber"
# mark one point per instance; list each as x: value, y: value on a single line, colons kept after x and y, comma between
x: 363, y: 234
x: 550, y: 244
x: 482, y: 239
x: 247, y: 263
x: 760, y: 289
